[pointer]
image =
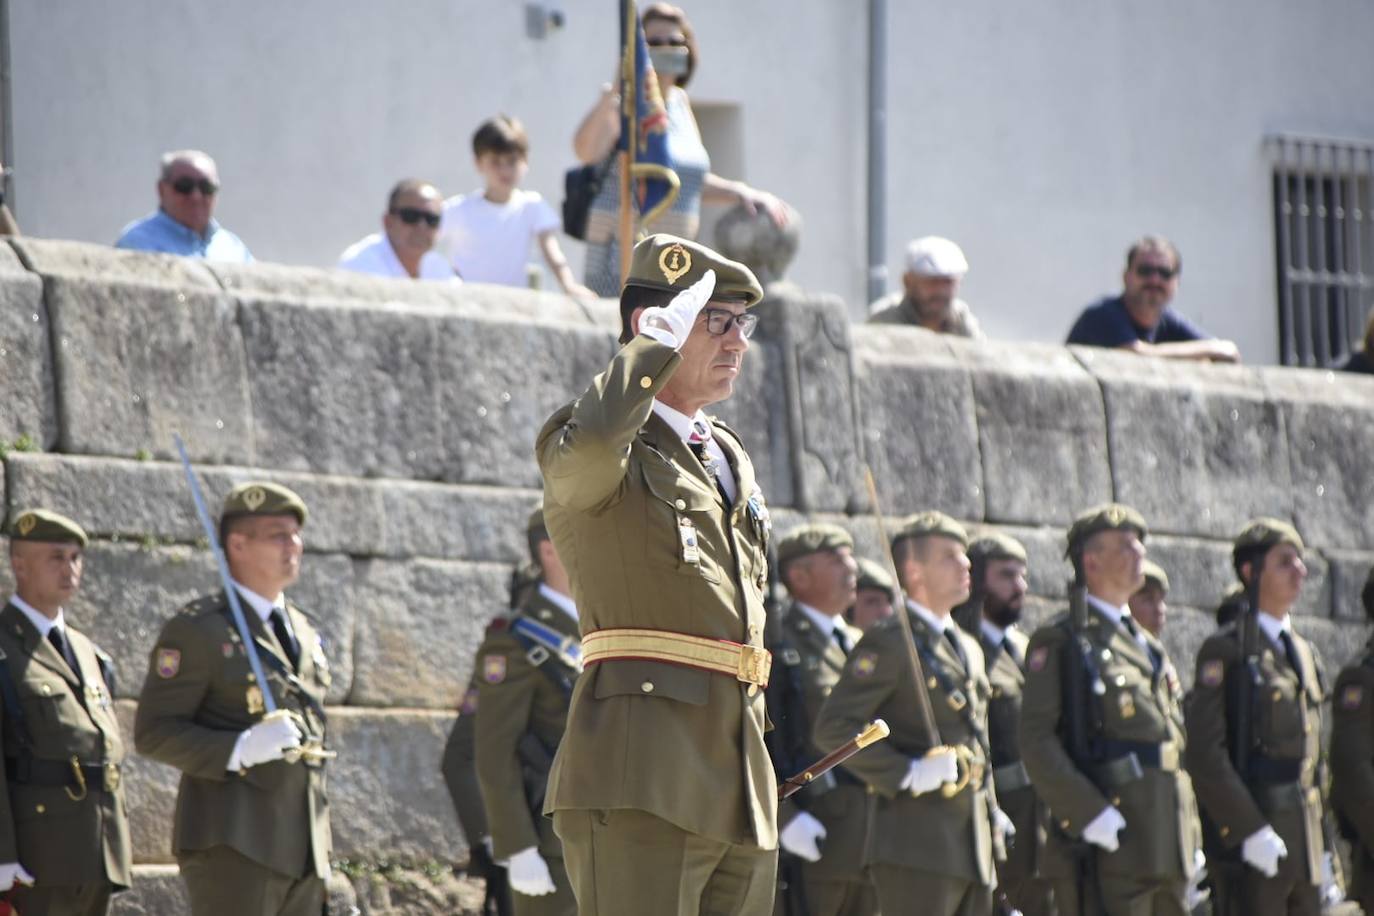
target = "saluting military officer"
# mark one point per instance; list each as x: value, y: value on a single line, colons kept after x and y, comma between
x: 998, y: 574
x: 1102, y: 737
x: 1352, y: 761
x: 662, y: 790
x: 526, y: 667
x: 1253, y: 747
x: 252, y: 823
x: 64, y: 836
x: 823, y: 825
x: 929, y: 852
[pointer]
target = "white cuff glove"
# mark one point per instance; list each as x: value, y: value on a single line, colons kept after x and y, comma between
x: 802, y: 837
x: 269, y: 740
x: 12, y: 873
x: 1332, y: 892
x: 1102, y: 830
x: 1262, y: 851
x: 1197, y: 894
x: 529, y: 873
x: 928, y: 773
x: 678, y: 316
x: 1002, y: 824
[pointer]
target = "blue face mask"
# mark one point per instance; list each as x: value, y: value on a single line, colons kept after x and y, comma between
x: 669, y: 61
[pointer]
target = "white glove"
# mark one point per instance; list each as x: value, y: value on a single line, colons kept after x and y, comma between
x: 1262, y: 851
x: 928, y: 773
x: 1197, y: 894
x: 269, y: 740
x: 1103, y: 829
x: 529, y: 873
x: 12, y: 873
x: 1332, y: 892
x: 802, y: 837
x: 1002, y: 824
x: 678, y: 316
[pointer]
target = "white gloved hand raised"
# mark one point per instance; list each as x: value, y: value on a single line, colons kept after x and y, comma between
x: 1262, y: 851
x: 269, y: 740
x: 1002, y: 824
x: 678, y: 316
x: 802, y: 837
x: 529, y: 873
x: 928, y: 773
x: 12, y: 873
x: 1102, y: 830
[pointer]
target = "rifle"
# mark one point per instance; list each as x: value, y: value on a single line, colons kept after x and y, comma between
x: 1081, y: 685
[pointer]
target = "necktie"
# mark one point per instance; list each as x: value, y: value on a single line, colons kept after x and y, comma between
x: 60, y: 644
x: 953, y: 638
x: 842, y: 639
x: 1292, y: 652
x: 288, y: 644
x: 701, y: 434
x: 1134, y: 629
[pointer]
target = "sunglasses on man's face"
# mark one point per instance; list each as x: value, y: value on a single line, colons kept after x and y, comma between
x: 719, y: 321
x: 412, y: 216
x: 1146, y: 271
x: 185, y: 185
x: 666, y: 42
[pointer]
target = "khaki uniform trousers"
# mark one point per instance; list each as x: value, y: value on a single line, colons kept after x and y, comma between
x: 626, y: 862
x: 223, y: 882
x: 561, y: 902
x: 1278, y: 896
x: 1125, y: 897
x: 908, y: 892
x: 76, y: 900
x: 830, y: 897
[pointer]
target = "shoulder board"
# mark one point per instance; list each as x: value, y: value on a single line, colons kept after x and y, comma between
x: 205, y: 604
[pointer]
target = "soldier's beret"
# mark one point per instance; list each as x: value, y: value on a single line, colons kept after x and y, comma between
x: 926, y: 524
x: 536, y: 520
x: 669, y: 263
x: 258, y: 497
x: 46, y: 526
x: 994, y: 545
x: 812, y: 538
x: 1263, y: 533
x: 1106, y: 517
x: 873, y: 575
x: 1155, y: 575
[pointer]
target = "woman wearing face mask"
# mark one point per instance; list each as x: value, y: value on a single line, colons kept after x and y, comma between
x: 673, y: 52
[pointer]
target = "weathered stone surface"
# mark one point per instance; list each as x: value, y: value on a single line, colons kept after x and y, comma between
x: 158, y: 891
x: 920, y: 435
x: 454, y: 521
x: 419, y: 623
x: 1040, y: 420
x: 1198, y: 449
x: 58, y: 258
x: 1348, y: 571
x: 407, y: 891
x: 1329, y: 421
x: 1199, y: 570
x: 1185, y: 629
x: 150, y: 794
x: 28, y: 408
x: 754, y: 411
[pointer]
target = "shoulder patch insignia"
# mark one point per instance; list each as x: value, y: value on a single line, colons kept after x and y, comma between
x: 469, y: 704
x: 865, y: 663
x: 1211, y: 673
x: 168, y: 663
x: 494, y: 668
x: 1352, y: 696
x: 1039, y: 655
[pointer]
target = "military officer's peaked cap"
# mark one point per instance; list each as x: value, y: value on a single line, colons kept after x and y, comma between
x: 47, y: 527
x: 930, y: 524
x: 259, y: 497
x: 872, y: 575
x: 1263, y: 533
x: 1155, y: 575
x: 994, y: 545
x: 813, y: 538
x: 669, y: 263
x: 1106, y: 517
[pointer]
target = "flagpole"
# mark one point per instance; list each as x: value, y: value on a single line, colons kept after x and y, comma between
x: 629, y: 101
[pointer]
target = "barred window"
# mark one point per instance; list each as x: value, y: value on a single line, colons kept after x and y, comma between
x: 1324, y: 230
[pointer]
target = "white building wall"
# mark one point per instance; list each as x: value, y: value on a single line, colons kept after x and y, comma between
x: 1042, y: 136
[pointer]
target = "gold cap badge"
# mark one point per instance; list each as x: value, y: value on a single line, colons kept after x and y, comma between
x: 26, y: 523
x: 674, y: 261
x: 254, y: 497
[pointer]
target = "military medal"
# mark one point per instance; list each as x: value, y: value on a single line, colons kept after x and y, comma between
x: 687, y: 534
x: 253, y: 697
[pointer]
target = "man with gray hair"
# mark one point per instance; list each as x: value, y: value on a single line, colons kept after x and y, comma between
x: 184, y: 222
x: 930, y: 291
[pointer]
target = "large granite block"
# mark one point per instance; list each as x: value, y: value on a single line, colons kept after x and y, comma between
x: 754, y: 411
x: 419, y: 623
x: 1349, y: 570
x: 157, y: 891
x: 150, y: 795
x: 1198, y: 449
x: 1041, y: 431
x: 920, y: 436
x: 1199, y: 570
x: 101, y: 263
x: 28, y: 410
x: 454, y: 521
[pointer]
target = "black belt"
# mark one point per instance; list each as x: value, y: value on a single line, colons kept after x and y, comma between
x: 1270, y: 771
x: 32, y: 771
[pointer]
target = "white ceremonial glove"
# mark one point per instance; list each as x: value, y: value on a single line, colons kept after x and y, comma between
x: 802, y: 837
x: 1332, y: 892
x: 1002, y: 824
x: 1262, y: 851
x: 529, y: 873
x: 678, y: 316
x: 12, y: 873
x: 1197, y: 894
x: 928, y: 773
x: 1102, y: 830
x: 269, y: 740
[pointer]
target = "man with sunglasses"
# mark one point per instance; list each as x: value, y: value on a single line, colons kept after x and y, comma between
x: 405, y: 248
x: 184, y: 222
x: 1140, y: 319
x: 662, y: 791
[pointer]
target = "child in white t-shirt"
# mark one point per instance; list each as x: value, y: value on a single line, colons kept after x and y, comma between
x: 486, y: 234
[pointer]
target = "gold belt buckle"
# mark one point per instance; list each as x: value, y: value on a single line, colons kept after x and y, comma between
x: 112, y: 777
x: 754, y: 667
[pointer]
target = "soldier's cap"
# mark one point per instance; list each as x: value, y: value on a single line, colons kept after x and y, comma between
x: 46, y: 526
x: 536, y: 520
x: 812, y: 538
x: 1264, y: 533
x: 672, y: 264
x: 994, y: 545
x: 927, y: 524
x: 1106, y: 517
x: 873, y: 575
x: 259, y: 497
x: 1155, y: 575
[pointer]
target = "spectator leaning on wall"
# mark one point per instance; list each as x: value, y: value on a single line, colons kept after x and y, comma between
x: 184, y: 222
x: 930, y: 291
x: 405, y: 247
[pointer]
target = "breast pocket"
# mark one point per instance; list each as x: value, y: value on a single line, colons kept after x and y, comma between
x: 1126, y: 707
x: 678, y: 524
x: 1280, y: 715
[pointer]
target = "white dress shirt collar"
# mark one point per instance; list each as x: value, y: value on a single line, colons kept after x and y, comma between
x: 827, y: 625
x: 559, y: 600
x: 41, y: 622
x: 993, y: 633
x: 1272, y: 628
x: 261, y: 606
x: 1116, y: 615
x: 938, y: 624
x: 683, y: 424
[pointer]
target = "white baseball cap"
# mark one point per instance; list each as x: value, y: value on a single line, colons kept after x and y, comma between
x: 933, y: 256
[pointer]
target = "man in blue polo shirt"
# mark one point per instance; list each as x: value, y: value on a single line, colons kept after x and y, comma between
x: 184, y: 222
x: 1140, y: 318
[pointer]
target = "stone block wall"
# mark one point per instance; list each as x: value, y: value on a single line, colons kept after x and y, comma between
x: 405, y: 414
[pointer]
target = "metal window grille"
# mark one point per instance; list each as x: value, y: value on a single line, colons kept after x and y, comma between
x: 1324, y: 222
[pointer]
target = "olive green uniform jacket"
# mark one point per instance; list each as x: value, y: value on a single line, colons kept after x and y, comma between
x: 59, y: 840
x: 1352, y: 769
x: 1286, y: 726
x: 951, y: 837
x: 459, y: 768
x: 1161, y: 834
x: 190, y: 715
x: 682, y: 744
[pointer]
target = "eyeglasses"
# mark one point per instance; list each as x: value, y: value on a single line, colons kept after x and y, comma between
x: 185, y: 185
x: 1146, y: 271
x: 719, y: 321
x: 412, y: 215
x: 666, y: 42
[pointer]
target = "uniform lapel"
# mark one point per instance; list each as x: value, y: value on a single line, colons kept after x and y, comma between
x: 38, y: 648
x: 743, y: 470
x: 1122, y: 643
x: 667, y: 446
x: 263, y: 637
x: 821, y: 644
